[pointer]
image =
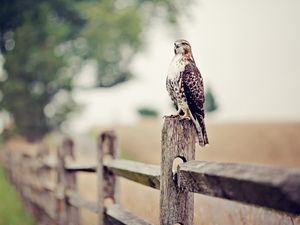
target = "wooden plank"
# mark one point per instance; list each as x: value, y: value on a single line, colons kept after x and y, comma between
x: 76, y: 200
x: 116, y: 215
x: 146, y: 174
x: 142, y: 173
x: 178, y: 140
x: 274, y: 188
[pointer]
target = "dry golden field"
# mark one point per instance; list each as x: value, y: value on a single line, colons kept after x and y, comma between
x: 274, y: 144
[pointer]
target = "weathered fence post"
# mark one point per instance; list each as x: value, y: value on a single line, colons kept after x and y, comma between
x: 67, y: 214
x: 61, y: 206
x: 40, y: 177
x: 178, y: 140
x: 71, y: 183
x: 106, y: 180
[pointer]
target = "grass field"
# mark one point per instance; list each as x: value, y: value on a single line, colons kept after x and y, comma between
x: 11, y: 209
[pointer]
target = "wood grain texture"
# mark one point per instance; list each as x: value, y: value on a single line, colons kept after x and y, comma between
x: 108, y: 185
x: 178, y: 140
x: 49, y: 162
x: 142, y: 173
x: 61, y: 203
x: 270, y: 187
x: 100, y: 184
x: 42, y: 205
x: 146, y: 174
x: 116, y: 215
x: 109, y: 149
x: 71, y: 183
x: 76, y: 200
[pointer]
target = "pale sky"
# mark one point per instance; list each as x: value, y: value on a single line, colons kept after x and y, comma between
x: 247, y: 51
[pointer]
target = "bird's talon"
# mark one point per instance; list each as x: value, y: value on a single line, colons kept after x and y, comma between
x: 171, y: 116
x: 184, y: 118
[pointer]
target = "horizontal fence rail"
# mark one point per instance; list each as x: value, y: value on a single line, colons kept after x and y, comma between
x: 273, y: 188
x: 142, y: 173
x: 76, y: 200
x: 48, y: 184
x: 117, y: 215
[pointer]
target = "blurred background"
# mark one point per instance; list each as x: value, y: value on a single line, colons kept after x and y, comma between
x: 76, y: 67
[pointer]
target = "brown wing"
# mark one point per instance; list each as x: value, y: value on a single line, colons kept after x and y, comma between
x: 193, y: 88
x: 192, y: 84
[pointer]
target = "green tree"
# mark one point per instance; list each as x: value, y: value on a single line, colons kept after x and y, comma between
x: 44, y: 43
x: 36, y: 85
x: 116, y: 29
x: 210, y: 102
x: 147, y: 112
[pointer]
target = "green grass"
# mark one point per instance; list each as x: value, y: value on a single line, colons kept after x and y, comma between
x: 12, y: 211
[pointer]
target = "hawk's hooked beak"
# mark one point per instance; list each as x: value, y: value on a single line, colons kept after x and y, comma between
x: 176, y: 45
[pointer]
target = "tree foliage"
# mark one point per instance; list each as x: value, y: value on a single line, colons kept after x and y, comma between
x: 43, y: 44
x: 36, y: 78
x: 115, y: 31
x: 147, y: 112
x: 210, y: 101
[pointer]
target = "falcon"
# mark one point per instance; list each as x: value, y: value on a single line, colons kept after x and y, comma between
x: 185, y: 86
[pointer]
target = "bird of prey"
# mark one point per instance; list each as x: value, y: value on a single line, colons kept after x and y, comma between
x: 185, y: 86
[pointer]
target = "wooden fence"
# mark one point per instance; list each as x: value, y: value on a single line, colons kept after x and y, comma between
x: 48, y: 186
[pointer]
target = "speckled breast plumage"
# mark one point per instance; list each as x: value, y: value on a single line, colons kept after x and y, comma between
x: 174, y: 83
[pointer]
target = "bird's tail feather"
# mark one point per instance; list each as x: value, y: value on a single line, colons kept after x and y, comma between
x: 201, y: 131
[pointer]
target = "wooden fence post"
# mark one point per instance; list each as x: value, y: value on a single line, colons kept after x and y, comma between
x: 61, y: 205
x: 71, y: 183
x: 67, y: 214
x: 43, y: 187
x: 178, y: 140
x: 106, y: 180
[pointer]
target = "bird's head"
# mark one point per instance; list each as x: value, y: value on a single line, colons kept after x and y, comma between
x: 182, y: 47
